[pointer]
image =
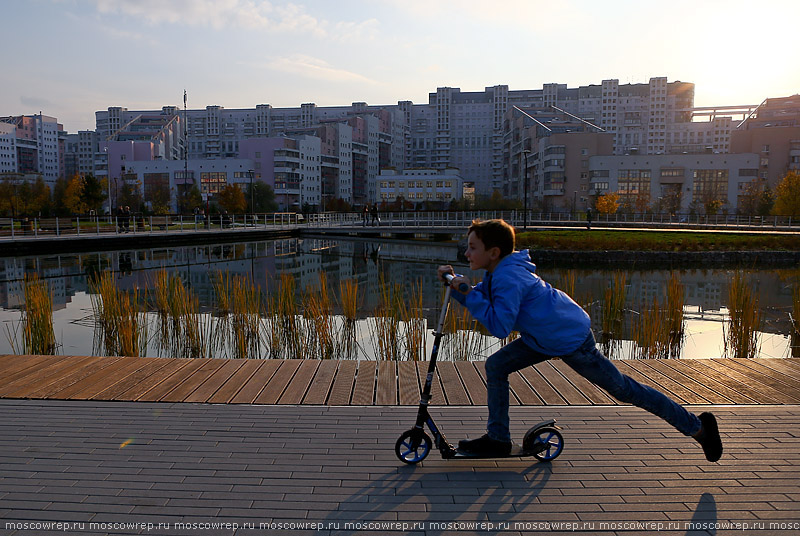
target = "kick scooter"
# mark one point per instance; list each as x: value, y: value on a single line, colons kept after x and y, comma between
x: 542, y: 441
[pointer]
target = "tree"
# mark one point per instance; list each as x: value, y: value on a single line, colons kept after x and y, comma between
x: 130, y: 196
x: 607, y: 203
x: 749, y: 199
x: 263, y: 197
x: 787, y: 196
x: 231, y: 198
x: 73, y: 199
x: 93, y: 192
x: 159, y: 199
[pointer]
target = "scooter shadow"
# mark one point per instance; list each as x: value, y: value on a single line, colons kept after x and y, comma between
x: 442, y: 492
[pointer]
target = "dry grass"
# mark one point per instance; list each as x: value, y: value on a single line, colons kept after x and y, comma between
x: 742, y: 337
x: 38, y: 336
x: 120, y: 320
x: 613, y: 310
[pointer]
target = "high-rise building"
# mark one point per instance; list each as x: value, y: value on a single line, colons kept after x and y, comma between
x: 38, y: 145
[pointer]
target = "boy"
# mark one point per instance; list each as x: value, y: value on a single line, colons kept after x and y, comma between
x: 512, y: 297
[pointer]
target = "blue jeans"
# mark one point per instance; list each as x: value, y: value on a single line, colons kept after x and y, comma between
x: 590, y: 363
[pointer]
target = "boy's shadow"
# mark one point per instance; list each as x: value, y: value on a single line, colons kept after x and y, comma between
x: 705, y: 516
x: 420, y: 494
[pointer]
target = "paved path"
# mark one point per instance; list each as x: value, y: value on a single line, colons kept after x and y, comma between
x: 96, y: 465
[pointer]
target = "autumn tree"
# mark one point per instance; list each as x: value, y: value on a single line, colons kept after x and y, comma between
x: 231, y: 198
x: 787, y: 196
x: 607, y: 203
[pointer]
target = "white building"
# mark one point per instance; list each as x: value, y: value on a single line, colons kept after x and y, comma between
x: 8, y: 148
x: 691, y: 179
x: 420, y: 185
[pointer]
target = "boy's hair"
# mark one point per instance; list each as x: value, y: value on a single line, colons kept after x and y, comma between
x: 494, y: 233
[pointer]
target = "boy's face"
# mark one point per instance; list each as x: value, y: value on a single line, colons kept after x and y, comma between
x: 478, y: 256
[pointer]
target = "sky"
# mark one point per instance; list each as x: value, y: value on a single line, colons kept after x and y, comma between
x: 71, y: 58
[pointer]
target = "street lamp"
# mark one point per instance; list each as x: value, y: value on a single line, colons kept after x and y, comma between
x: 525, y: 153
x: 252, y: 206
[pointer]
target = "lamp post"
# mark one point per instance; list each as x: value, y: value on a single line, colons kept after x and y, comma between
x: 252, y: 206
x: 525, y: 153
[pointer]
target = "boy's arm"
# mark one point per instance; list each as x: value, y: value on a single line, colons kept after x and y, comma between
x: 500, y: 314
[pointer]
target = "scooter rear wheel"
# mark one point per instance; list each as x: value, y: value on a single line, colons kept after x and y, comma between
x: 413, y: 446
x: 546, y: 443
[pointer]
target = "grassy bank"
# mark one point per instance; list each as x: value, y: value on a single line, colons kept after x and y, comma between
x: 604, y: 240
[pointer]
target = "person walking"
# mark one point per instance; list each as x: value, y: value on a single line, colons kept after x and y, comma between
x: 551, y: 324
x: 374, y: 212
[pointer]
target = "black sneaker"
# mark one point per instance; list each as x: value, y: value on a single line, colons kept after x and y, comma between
x: 484, y: 446
x: 709, y: 437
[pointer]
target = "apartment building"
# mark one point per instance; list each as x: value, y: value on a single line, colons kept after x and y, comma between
x: 773, y: 132
x: 673, y: 183
x: 38, y: 145
x: 8, y: 148
x: 548, y: 150
x: 420, y: 185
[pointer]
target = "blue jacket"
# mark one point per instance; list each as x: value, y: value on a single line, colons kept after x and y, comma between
x: 514, y: 298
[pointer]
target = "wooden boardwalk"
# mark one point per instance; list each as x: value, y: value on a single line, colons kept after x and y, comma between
x: 368, y: 383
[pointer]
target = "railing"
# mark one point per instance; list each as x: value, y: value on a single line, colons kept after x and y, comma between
x: 25, y: 228
x: 135, y: 224
x: 517, y: 218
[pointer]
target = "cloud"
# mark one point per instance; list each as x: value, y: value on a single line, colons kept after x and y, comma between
x: 316, y: 68
x: 36, y: 102
x: 239, y: 14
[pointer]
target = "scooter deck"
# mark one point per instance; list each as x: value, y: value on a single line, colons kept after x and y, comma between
x: 516, y: 452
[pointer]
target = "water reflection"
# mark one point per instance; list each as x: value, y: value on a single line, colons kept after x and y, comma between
x: 403, y: 263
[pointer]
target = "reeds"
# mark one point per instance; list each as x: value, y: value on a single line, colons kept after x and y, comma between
x: 38, y: 336
x: 321, y: 338
x: 121, y: 325
x: 651, y: 333
x: 613, y: 309
x: 349, y: 303
x: 675, y: 319
x: 245, y: 318
x: 385, y: 326
x: 288, y: 330
x: 464, y: 340
x: 742, y: 338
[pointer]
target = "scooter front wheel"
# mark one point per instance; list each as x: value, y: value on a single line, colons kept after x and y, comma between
x: 546, y: 443
x: 413, y: 446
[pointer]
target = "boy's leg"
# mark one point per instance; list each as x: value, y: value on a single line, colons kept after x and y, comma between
x: 514, y: 356
x: 590, y: 363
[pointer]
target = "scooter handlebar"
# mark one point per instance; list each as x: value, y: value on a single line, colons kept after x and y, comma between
x: 463, y: 287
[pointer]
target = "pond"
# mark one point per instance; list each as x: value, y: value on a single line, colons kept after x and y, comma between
x: 389, y: 279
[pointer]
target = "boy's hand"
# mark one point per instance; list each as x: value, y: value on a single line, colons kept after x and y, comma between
x: 457, y: 282
x: 446, y: 269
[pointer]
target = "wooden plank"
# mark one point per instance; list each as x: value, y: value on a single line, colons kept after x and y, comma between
x: 179, y: 376
x: 512, y: 398
x: 522, y: 390
x: 364, y: 388
x: 473, y: 383
x: 144, y: 374
x: 702, y: 391
x: 342, y: 389
x: 137, y: 391
x: 236, y: 382
x: 749, y: 387
x: 454, y: 391
x: 542, y: 388
x: 278, y: 383
x: 640, y: 372
x: 92, y: 382
x: 721, y: 383
x: 215, y: 381
x: 561, y: 384
x: 765, y: 382
x: 39, y: 376
x: 10, y: 365
x: 386, y: 390
x: 89, y: 367
x: 193, y: 382
x: 769, y: 376
x: 437, y: 397
x: 102, y: 379
x: 321, y: 384
x: 408, y: 381
x: 257, y: 382
x: 298, y: 385
x: 788, y: 373
x: 595, y: 394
